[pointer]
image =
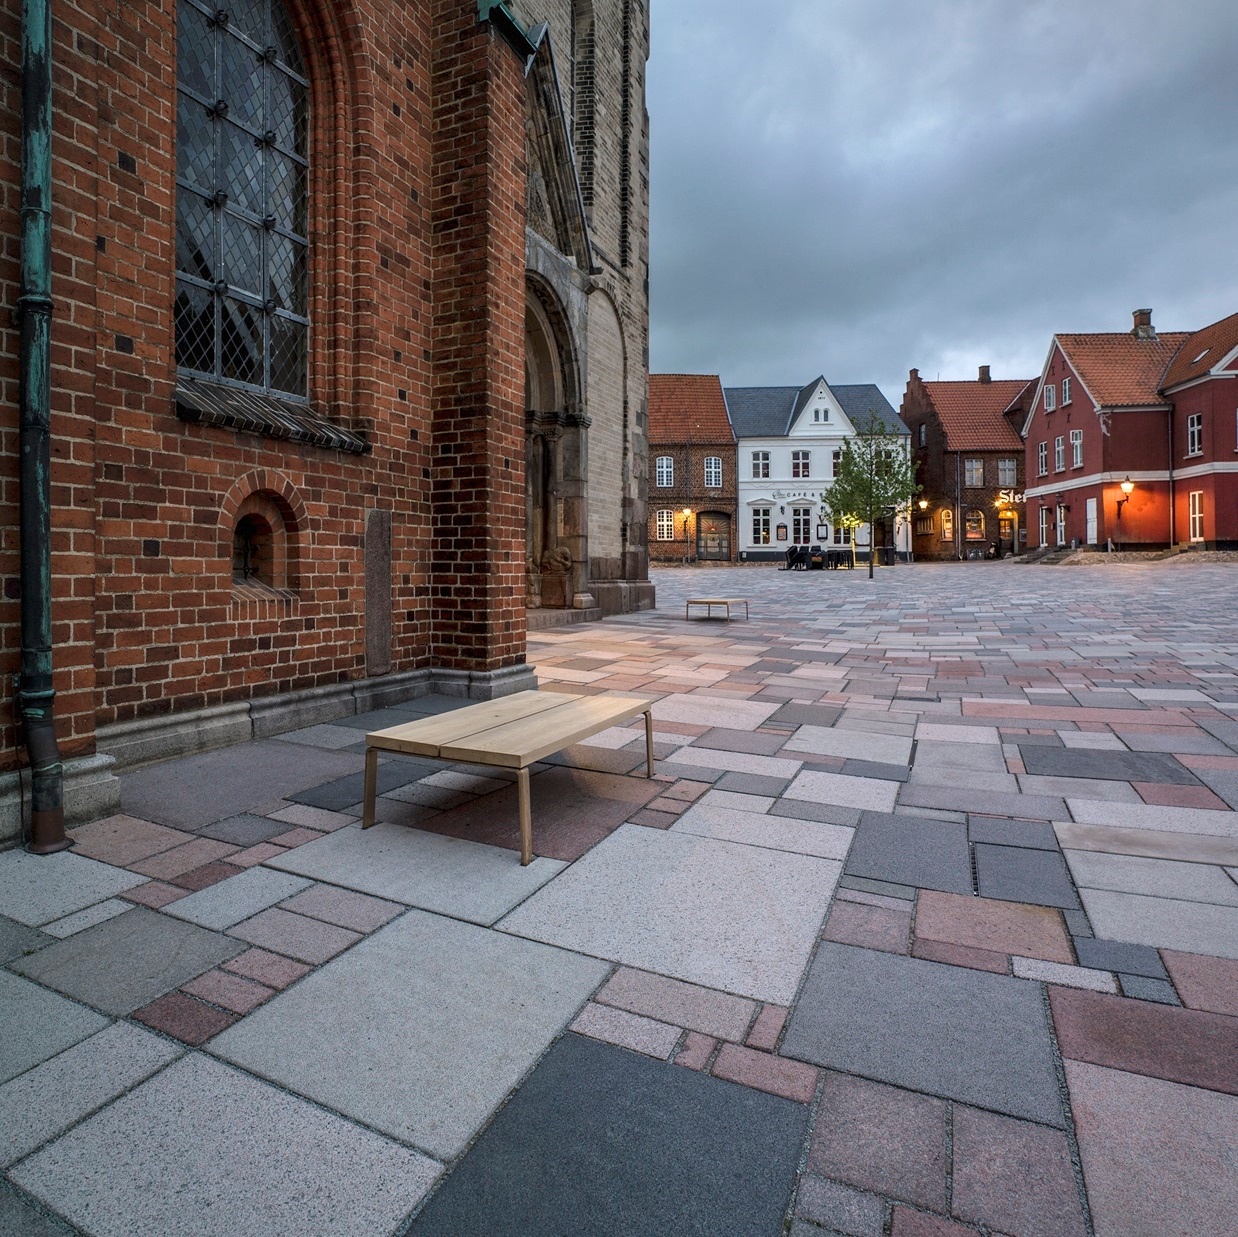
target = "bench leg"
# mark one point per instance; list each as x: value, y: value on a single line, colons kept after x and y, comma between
x: 649, y: 743
x: 371, y: 784
x: 526, y: 822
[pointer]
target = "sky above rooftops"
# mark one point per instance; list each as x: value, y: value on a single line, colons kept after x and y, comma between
x: 857, y: 187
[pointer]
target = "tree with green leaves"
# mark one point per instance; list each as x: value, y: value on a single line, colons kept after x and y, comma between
x: 874, y: 475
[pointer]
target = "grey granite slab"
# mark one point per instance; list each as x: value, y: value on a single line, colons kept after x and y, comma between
x: 1180, y: 741
x: 1002, y: 831
x: 227, y: 902
x: 1162, y: 878
x: 836, y: 789
x: 872, y: 768
x: 325, y: 735
x: 1079, y: 787
x: 38, y: 889
x: 1152, y: 843
x: 345, y: 792
x: 911, y: 850
x: 1021, y: 874
x: 755, y: 742
x: 827, y: 813
x: 1206, y: 821
x: 1164, y: 923
x: 17, y: 939
x: 22, y: 1216
x: 1141, y: 988
x: 244, y: 829
x: 421, y: 1030
x: 739, y: 918
x: 980, y: 757
x: 851, y: 744
x: 961, y: 1034
x: 693, y: 773
x: 126, y: 962
x: 1120, y: 956
x: 48, y: 1099
x: 1222, y: 782
x: 752, y: 783
x: 801, y: 837
x: 38, y: 1024
x: 201, y: 1148
x: 963, y: 779
x: 806, y: 715
x: 995, y: 802
x: 467, y: 880
x: 1107, y: 765
x: 602, y: 1140
x: 88, y: 918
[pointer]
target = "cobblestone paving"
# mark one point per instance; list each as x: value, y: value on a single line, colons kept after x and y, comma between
x: 927, y: 924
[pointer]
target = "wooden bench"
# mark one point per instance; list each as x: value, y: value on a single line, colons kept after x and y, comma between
x: 709, y: 602
x: 511, y: 732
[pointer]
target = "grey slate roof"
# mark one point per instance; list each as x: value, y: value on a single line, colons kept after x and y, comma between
x: 768, y: 412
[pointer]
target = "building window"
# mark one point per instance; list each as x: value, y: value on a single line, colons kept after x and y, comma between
x: 835, y: 460
x: 666, y: 526
x: 1065, y: 392
x: 801, y: 464
x: 1195, y: 434
x: 1044, y: 526
x: 947, y: 525
x: 973, y: 473
x: 665, y: 472
x: 923, y: 432
x: 816, y: 416
x: 924, y: 525
x: 801, y: 525
x: 842, y: 536
x: 242, y: 198
x: 1196, y: 509
x: 1076, y: 448
x: 1059, y: 454
x: 1007, y: 473
x: 713, y: 472
x: 973, y: 525
x: 1061, y: 523
x: 760, y: 525
x: 1042, y: 459
x: 760, y: 465
x: 1050, y: 397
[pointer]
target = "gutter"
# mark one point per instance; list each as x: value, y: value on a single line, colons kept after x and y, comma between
x: 35, y: 692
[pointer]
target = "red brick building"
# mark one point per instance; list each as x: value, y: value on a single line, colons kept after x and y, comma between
x: 692, y: 481
x: 968, y: 457
x: 294, y: 298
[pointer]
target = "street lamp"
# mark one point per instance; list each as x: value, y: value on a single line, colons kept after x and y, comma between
x: 687, y: 515
x: 924, y: 504
x: 1127, y: 487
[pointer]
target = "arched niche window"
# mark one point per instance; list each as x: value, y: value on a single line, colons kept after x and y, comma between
x: 242, y: 196
x: 947, y: 524
x: 261, y: 543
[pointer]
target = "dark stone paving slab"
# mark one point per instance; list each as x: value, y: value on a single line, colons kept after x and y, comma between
x: 244, y: 830
x: 20, y: 1216
x: 1002, y: 832
x: 126, y: 962
x: 1104, y: 765
x: 1017, y: 874
x: 752, y: 741
x: 1120, y: 956
x: 1203, y: 982
x: 824, y: 813
x: 911, y: 850
x: 1001, y: 803
x: 1223, y: 729
x: 1222, y: 782
x: 604, y: 1141
x: 958, y: 1034
x: 1140, y: 988
x: 1181, y: 1045
x: 873, y: 768
x: 196, y: 790
x: 806, y: 715
x: 752, y: 783
x: 346, y: 792
x: 694, y: 773
x: 17, y: 939
x: 599, y: 759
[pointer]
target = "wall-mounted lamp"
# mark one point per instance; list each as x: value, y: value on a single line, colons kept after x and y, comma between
x: 1127, y: 487
x: 1061, y: 502
x: 923, y: 504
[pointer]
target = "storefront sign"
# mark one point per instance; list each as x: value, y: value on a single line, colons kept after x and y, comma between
x: 1008, y: 498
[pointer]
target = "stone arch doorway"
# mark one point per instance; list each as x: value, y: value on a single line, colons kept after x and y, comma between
x: 713, y: 536
x: 556, y: 459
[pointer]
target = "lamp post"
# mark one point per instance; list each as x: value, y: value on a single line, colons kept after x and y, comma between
x: 1127, y: 487
x: 687, y: 515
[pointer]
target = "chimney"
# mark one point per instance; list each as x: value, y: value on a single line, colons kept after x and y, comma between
x: 984, y: 374
x: 915, y: 373
x: 1143, y: 328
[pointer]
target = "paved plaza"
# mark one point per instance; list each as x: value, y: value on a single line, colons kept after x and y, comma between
x: 926, y: 925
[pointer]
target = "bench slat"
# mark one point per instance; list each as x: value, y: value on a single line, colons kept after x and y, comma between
x: 426, y: 736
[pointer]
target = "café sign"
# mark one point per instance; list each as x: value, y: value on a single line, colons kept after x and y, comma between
x: 1008, y: 498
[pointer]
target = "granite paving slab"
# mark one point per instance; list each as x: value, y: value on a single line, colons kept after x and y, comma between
x: 1151, y: 843
x: 806, y: 715
x: 22, y: 1216
x: 1080, y: 788
x: 227, y: 903
x: 48, y: 1099
x: 1001, y: 831
x: 92, y: 915
x: 38, y: 1024
x: 196, y: 790
x: 419, y: 1031
x: 1162, y: 878
x: 17, y: 939
x: 466, y: 880
x: 911, y: 850
x: 206, y: 1149
x: 1112, y: 766
x: 752, y: 784
x: 1203, y: 821
x: 672, y: 1001
x: 1180, y: 742
x: 1222, y: 782
x: 244, y: 829
x: 325, y: 735
x: 1018, y: 874
x: 346, y: 792
x: 865, y: 793
x: 980, y: 757
x: 959, y: 1034
x: 964, y: 779
x: 1195, y: 927
x: 752, y: 741
x: 1205, y: 983
x: 37, y: 889
x: 801, y: 837
x: 983, y: 923
x: 1119, y: 956
x: 738, y: 918
x: 732, y: 762
x: 356, y: 911
x: 621, y: 1143
x: 851, y: 744
x: 170, y: 864
x: 126, y: 962
x: 296, y: 936
x: 700, y: 710
x: 995, y: 802
x: 1158, y: 1157
x: 122, y: 840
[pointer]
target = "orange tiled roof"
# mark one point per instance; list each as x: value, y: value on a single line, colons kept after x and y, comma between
x: 688, y: 408
x: 971, y: 413
x: 1202, y: 351
x: 1120, y: 370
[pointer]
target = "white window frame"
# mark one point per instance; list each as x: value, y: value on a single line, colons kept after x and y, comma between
x: 1042, y: 459
x: 1059, y: 454
x: 664, y: 472
x: 1076, y: 448
x: 973, y: 469
x: 665, y: 525
x: 760, y: 465
x: 1065, y: 392
x: 840, y: 535
x: 801, y: 465
x: 835, y: 459
x: 761, y: 522
x: 1050, y: 396
x: 1059, y: 521
x: 713, y: 472
x: 1007, y: 473
x: 1044, y: 526
x: 801, y: 525
x: 1195, y: 514
x: 1195, y: 434
x: 947, y: 524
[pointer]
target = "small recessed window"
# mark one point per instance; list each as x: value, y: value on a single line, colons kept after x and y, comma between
x: 252, y: 544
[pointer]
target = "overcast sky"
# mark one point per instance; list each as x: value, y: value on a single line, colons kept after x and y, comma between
x: 856, y: 187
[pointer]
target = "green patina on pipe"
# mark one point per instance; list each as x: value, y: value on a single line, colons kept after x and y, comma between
x: 35, y: 694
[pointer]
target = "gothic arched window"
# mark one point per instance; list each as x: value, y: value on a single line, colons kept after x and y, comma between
x: 242, y: 196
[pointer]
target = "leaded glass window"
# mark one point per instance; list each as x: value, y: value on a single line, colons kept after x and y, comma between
x: 242, y: 196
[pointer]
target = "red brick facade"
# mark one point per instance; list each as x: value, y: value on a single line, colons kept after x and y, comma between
x: 417, y: 303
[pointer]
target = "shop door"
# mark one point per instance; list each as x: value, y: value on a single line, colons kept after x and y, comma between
x: 713, y: 536
x: 1091, y: 521
x: 1007, y: 531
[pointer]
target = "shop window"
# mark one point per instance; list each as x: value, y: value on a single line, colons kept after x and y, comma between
x: 666, y: 526
x: 760, y: 525
x: 973, y: 525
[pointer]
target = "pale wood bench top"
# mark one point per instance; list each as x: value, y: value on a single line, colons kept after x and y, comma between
x: 709, y: 602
